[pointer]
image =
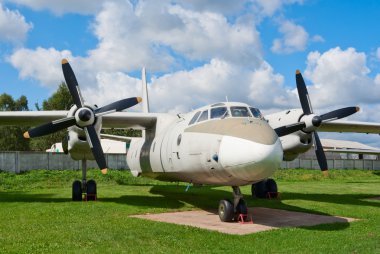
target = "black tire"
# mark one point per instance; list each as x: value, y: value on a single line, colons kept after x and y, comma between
x: 77, y: 191
x: 272, y: 188
x: 260, y: 190
x: 91, y: 190
x: 226, y: 210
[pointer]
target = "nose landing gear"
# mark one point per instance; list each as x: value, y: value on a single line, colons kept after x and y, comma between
x: 229, y: 211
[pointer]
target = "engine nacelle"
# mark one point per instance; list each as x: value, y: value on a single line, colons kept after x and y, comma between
x: 295, y: 143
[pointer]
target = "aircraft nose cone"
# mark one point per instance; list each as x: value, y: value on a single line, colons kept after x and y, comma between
x: 249, y: 160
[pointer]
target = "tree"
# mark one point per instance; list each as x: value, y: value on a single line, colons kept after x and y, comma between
x: 11, y: 137
x: 60, y: 100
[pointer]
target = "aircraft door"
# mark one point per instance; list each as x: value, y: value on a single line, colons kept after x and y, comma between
x: 170, y: 150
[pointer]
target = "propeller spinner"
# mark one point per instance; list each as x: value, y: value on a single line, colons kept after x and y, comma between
x: 84, y: 117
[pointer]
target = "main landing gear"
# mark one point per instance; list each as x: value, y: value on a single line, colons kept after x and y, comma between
x: 230, y: 211
x: 265, y: 189
x: 88, y: 188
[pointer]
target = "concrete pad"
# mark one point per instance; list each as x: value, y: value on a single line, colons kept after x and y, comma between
x: 263, y: 219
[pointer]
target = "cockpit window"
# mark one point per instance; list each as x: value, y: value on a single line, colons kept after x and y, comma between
x: 219, y: 112
x: 239, y: 112
x: 195, y: 117
x: 204, y: 116
x: 256, y: 112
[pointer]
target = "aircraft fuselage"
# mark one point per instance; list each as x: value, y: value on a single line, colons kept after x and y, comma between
x: 227, y: 150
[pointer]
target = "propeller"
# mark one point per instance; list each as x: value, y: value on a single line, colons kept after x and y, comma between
x: 84, y: 117
x: 287, y: 129
x: 313, y: 121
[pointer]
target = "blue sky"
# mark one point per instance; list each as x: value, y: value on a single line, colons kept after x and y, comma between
x: 197, y: 53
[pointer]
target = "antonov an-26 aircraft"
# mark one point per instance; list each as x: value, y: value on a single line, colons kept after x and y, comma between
x: 227, y: 143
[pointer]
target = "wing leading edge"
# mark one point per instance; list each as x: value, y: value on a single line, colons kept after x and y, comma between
x: 350, y: 126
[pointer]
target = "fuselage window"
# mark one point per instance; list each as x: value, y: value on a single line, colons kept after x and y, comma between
x: 219, y: 112
x: 256, y: 112
x: 204, y: 116
x: 195, y: 117
x: 239, y: 112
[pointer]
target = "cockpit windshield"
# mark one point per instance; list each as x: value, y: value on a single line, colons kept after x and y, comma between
x: 239, y: 112
x: 256, y: 112
x: 220, y: 112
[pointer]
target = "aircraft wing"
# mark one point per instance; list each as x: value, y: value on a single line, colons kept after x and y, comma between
x: 30, y: 118
x: 350, y: 126
x: 130, y: 120
x: 123, y: 120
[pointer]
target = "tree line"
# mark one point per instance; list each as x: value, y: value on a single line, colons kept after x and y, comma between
x: 11, y: 137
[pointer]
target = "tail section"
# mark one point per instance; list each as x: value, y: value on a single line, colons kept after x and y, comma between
x: 145, y: 98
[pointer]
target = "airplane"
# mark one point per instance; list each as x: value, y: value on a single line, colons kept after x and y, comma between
x: 225, y: 143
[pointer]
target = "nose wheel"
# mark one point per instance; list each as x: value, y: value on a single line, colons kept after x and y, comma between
x: 230, y: 211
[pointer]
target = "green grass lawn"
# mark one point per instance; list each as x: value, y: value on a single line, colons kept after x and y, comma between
x: 38, y: 216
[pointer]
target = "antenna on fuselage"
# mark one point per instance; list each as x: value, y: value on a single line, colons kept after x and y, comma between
x: 226, y: 98
x: 145, y: 99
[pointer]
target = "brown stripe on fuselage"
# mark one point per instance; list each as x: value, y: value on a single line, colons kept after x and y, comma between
x: 256, y: 130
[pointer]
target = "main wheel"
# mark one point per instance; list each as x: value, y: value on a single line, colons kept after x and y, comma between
x: 226, y: 210
x: 77, y: 191
x: 272, y: 188
x: 91, y: 190
x: 259, y: 190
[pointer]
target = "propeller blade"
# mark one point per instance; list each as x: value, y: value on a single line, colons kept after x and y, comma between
x: 303, y: 94
x: 339, y: 113
x: 321, y: 157
x: 51, y: 127
x: 287, y: 129
x: 72, y: 83
x: 118, y: 105
x: 96, y: 148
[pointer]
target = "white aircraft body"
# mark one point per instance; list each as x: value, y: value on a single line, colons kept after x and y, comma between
x: 227, y: 143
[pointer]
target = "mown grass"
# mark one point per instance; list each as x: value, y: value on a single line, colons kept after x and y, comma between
x: 37, y: 215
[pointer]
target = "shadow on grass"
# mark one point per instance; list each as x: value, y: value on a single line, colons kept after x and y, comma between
x: 30, y: 198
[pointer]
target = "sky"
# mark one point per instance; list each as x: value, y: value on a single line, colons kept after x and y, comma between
x: 198, y: 52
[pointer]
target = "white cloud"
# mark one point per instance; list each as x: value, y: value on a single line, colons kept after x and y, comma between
x: 294, y: 38
x: 147, y: 34
x: 13, y: 27
x: 40, y: 64
x: 267, y: 8
x: 206, y: 35
x: 267, y: 89
x: 340, y: 77
x: 317, y: 38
